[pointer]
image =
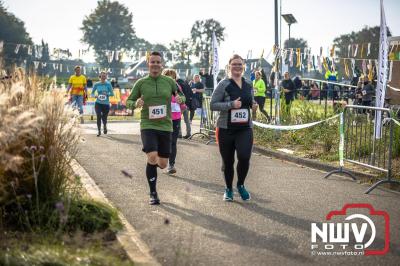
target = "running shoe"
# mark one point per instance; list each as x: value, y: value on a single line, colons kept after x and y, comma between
x: 154, y: 200
x: 244, y: 194
x: 171, y: 170
x: 99, y: 133
x: 228, y: 195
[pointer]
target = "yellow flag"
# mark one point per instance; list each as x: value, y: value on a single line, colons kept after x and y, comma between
x: 298, y: 57
x: 147, y: 55
x: 333, y: 51
x: 346, y: 68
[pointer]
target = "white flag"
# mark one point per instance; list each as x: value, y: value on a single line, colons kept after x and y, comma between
x: 382, y: 72
x: 215, y: 66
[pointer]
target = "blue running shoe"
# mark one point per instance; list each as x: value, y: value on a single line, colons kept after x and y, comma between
x: 244, y: 194
x: 228, y: 195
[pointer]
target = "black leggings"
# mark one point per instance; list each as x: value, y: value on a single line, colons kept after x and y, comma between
x: 102, y: 111
x: 260, y: 100
x: 176, y: 125
x: 242, y: 142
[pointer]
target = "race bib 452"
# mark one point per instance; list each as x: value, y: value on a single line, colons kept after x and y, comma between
x: 239, y: 115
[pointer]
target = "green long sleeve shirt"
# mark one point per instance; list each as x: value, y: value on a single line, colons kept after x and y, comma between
x: 156, y: 110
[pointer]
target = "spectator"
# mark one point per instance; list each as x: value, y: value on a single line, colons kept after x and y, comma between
x: 187, y: 91
x: 358, y: 93
x: 208, y: 79
x: 198, y: 90
x: 288, y: 89
x: 297, y: 85
x: 367, y: 93
x: 314, y: 93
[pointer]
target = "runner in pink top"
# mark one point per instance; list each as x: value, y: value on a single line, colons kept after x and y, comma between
x: 176, y: 111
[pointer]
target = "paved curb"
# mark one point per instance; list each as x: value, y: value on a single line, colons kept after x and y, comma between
x: 136, y: 249
x: 307, y: 162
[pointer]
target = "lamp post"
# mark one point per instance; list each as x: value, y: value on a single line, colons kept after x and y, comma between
x: 289, y: 18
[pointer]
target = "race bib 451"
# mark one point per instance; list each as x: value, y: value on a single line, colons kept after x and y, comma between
x: 157, y: 112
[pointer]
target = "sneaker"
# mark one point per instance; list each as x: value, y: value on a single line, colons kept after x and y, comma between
x: 244, y: 194
x: 99, y: 133
x: 154, y: 200
x: 171, y: 170
x: 228, y: 195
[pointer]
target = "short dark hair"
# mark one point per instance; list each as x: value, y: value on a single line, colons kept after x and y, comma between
x: 156, y: 53
x: 235, y: 56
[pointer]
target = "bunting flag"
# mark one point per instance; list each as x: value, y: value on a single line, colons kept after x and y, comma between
x: 370, y: 74
x: 332, y: 52
x: 298, y: 63
x: 346, y: 68
x: 353, y: 67
x: 355, y: 51
x: 319, y: 64
x: 348, y: 50
x: 364, y: 67
x: 313, y: 62
x: 333, y: 64
x: 291, y: 57
x: 369, y: 49
x: 362, y: 51
x: 325, y: 64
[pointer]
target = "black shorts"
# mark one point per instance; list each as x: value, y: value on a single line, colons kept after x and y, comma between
x: 156, y: 140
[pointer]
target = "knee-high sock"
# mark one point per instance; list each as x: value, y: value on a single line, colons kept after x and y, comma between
x: 151, y: 174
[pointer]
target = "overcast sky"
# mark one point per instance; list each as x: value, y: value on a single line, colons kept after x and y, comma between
x: 249, y: 23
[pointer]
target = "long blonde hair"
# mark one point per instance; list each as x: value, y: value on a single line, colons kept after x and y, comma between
x: 170, y: 73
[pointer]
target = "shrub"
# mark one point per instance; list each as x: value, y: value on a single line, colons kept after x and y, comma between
x: 37, y: 132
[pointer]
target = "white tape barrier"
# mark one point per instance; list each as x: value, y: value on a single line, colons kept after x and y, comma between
x: 293, y: 127
x: 395, y: 89
x: 396, y: 122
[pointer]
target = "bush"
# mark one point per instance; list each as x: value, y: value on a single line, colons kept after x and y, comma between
x: 38, y: 139
x: 90, y: 217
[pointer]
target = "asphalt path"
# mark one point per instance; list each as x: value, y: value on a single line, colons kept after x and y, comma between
x: 194, y: 226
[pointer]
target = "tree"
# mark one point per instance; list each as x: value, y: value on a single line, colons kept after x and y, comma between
x: 201, y: 35
x: 12, y: 32
x: 183, y: 50
x: 109, y: 28
x: 364, y: 36
x: 295, y: 43
x: 43, y: 70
